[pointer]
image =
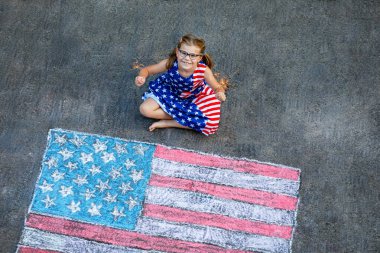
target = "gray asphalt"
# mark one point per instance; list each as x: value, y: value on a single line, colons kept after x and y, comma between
x: 305, y: 89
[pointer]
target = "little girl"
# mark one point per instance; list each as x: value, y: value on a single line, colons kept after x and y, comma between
x: 187, y: 95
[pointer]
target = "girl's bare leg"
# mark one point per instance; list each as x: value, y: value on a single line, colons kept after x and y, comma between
x: 150, y: 109
x: 164, y: 123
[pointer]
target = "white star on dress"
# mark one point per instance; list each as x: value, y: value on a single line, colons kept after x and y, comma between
x: 109, y: 198
x: 57, y: 176
x: 99, y: 146
x: 61, y: 140
x: 95, y: 170
x: 86, y: 158
x: 52, y: 162
x: 94, y: 210
x: 115, y: 173
x: 131, y: 203
x: 125, y: 187
x: 121, y: 149
x: 108, y: 157
x: 117, y: 214
x: 88, y: 194
x: 140, y: 149
x: 81, y: 180
x: 66, y: 154
x: 136, y: 175
x: 129, y: 163
x: 66, y: 191
x: 103, y: 185
x: 48, y: 201
x: 45, y: 187
x: 74, y: 207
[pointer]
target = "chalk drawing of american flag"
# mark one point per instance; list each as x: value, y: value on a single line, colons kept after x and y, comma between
x: 102, y: 194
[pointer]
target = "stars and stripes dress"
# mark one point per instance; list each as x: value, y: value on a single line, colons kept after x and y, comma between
x: 188, y: 100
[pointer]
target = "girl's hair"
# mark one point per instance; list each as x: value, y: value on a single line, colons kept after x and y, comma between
x: 190, y: 40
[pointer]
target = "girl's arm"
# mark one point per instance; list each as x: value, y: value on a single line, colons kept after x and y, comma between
x: 218, y: 89
x: 149, y: 71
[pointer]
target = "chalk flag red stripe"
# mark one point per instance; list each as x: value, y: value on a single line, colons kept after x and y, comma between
x: 214, y: 220
x: 220, y: 162
x: 227, y: 192
x: 119, y: 237
x: 24, y: 249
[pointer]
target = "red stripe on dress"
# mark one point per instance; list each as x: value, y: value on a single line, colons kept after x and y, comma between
x: 227, y: 192
x: 211, y: 109
x: 119, y: 237
x: 207, y: 106
x: 212, y: 118
x: 200, y: 99
x: 252, y: 167
x: 24, y: 249
x: 209, y: 125
x: 216, y: 220
x: 213, y: 114
x: 204, y: 104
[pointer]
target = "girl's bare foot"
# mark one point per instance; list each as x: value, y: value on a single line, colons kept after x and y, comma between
x: 158, y: 124
x: 164, y: 123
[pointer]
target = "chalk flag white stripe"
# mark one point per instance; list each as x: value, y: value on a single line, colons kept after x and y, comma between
x: 211, y: 235
x: 205, y: 203
x: 36, y: 238
x: 224, y: 177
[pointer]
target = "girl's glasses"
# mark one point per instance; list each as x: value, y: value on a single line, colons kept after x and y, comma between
x: 191, y: 56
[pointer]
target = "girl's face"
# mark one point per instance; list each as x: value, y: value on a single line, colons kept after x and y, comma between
x: 188, y: 57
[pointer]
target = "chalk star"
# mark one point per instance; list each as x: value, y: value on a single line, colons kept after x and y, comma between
x: 78, y: 141
x: 129, y: 163
x: 86, y: 158
x: 140, y: 149
x: 121, y: 149
x: 66, y: 154
x: 61, y: 140
x: 88, y: 194
x: 81, y: 180
x: 108, y: 157
x: 52, y: 162
x: 136, y: 175
x: 115, y: 173
x: 117, y: 214
x: 66, y: 191
x: 103, y: 185
x: 131, y: 203
x: 45, y: 187
x: 57, y: 176
x: 109, y: 198
x: 99, y: 146
x: 94, y: 210
x: 74, y: 207
x: 125, y: 187
x: 48, y: 201
x: 72, y: 166
x: 95, y: 170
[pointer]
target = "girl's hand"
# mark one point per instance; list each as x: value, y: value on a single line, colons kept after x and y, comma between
x: 139, y: 80
x: 221, y: 96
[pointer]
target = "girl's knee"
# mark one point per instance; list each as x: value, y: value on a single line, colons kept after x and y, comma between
x: 145, y: 110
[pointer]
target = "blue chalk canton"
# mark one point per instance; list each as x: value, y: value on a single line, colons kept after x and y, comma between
x: 94, y: 179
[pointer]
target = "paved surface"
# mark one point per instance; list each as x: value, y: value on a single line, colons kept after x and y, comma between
x: 305, y: 93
